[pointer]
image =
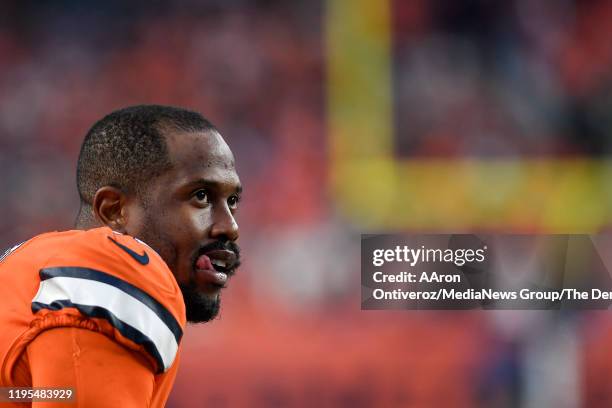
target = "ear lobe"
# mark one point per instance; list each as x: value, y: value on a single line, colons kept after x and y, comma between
x: 109, y: 207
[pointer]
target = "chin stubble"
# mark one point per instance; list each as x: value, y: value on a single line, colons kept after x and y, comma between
x: 200, y: 308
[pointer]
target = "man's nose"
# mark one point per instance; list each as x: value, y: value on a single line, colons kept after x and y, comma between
x: 224, y: 224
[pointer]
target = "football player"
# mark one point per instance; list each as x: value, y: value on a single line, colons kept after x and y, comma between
x: 102, y: 308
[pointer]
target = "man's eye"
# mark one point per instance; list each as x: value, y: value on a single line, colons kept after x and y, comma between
x: 233, y: 202
x: 201, y: 195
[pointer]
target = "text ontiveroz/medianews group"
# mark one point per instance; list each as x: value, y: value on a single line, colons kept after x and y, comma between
x: 490, y: 294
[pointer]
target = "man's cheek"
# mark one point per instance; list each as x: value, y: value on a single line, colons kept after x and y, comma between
x: 197, y: 223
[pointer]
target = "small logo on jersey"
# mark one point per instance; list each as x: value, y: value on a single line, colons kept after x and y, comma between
x: 141, y: 259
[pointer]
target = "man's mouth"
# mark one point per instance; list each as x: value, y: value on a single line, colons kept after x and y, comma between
x: 214, y: 267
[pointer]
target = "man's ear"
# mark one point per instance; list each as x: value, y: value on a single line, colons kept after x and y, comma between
x: 109, y: 206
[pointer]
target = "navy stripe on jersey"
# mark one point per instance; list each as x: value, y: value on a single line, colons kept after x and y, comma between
x: 9, y: 251
x: 126, y: 330
x: 142, y: 296
x: 134, y: 313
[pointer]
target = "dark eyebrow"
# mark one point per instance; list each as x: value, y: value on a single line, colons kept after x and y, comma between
x: 211, y: 183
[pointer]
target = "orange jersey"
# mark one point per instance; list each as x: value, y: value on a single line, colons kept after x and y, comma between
x: 97, y: 281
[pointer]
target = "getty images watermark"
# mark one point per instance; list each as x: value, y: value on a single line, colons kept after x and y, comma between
x: 466, y: 271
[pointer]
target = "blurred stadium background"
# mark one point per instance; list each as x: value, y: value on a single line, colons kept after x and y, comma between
x: 346, y: 117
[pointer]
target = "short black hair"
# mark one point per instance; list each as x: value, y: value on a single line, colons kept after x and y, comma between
x: 127, y: 148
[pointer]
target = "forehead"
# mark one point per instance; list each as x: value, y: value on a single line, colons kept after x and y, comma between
x: 201, y: 155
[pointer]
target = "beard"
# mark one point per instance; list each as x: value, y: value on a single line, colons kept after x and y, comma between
x: 200, y: 307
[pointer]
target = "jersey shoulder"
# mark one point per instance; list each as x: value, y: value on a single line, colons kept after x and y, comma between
x: 113, y: 283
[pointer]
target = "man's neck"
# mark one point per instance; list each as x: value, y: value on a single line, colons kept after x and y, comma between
x: 85, y: 219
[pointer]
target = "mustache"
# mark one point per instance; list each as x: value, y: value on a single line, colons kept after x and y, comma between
x: 223, y: 245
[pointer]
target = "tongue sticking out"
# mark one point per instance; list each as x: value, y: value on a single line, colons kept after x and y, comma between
x: 206, y: 273
x: 203, y: 262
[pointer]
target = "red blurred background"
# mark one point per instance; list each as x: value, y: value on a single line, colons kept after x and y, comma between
x: 466, y: 80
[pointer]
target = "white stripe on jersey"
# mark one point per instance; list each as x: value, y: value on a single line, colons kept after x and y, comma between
x: 126, y: 308
x: 10, y: 251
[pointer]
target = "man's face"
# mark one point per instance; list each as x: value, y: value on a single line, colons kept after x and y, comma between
x: 188, y: 218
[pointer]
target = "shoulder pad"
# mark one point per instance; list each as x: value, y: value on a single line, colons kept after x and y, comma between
x: 114, y: 277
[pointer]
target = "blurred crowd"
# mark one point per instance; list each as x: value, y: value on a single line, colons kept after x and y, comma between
x: 254, y: 70
x: 496, y: 79
x: 488, y: 79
